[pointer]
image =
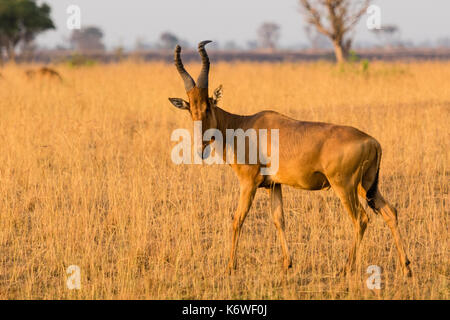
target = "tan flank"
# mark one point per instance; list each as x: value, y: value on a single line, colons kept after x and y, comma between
x: 312, y: 156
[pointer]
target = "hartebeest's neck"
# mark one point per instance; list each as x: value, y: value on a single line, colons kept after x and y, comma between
x: 227, y: 120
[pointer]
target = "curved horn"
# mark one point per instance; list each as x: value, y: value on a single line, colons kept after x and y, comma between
x: 188, y: 81
x: 202, y: 81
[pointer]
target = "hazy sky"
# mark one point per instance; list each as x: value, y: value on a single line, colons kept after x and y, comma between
x: 123, y: 21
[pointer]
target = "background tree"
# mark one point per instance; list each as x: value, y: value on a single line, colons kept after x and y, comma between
x: 316, y: 39
x: 334, y: 19
x: 22, y: 21
x: 268, y: 35
x: 27, y: 50
x: 168, y: 40
x: 87, y: 39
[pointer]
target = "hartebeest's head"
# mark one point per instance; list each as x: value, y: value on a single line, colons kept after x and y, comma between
x: 200, y: 105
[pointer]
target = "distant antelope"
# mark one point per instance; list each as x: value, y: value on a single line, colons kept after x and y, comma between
x: 312, y: 156
x: 44, y: 71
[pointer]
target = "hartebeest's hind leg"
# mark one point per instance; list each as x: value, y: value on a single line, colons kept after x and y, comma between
x: 389, y: 214
x: 376, y: 201
x: 247, y: 193
x: 349, y: 199
x: 276, y: 202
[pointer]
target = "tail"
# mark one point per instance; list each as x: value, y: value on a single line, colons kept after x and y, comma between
x: 371, y: 193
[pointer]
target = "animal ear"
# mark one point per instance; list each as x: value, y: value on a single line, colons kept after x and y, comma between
x: 218, y: 93
x: 180, y: 103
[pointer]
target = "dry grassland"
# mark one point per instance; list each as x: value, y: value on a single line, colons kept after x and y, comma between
x: 86, y: 179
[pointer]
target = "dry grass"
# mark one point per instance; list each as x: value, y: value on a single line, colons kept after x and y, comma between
x: 86, y: 179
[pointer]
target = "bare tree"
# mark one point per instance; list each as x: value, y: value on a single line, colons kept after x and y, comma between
x: 334, y: 19
x: 268, y: 34
x: 316, y: 39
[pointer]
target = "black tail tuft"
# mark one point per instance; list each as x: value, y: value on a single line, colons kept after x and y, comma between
x: 372, y: 192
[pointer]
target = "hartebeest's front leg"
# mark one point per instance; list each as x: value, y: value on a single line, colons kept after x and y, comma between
x: 276, y: 201
x: 248, y: 190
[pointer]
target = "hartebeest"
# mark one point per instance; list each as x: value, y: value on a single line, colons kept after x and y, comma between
x: 312, y: 156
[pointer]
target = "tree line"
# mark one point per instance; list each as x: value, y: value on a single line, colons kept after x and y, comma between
x: 327, y: 20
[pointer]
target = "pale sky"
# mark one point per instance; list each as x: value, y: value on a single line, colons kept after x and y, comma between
x: 123, y: 21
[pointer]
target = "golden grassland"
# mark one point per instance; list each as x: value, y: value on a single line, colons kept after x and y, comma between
x: 86, y: 179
